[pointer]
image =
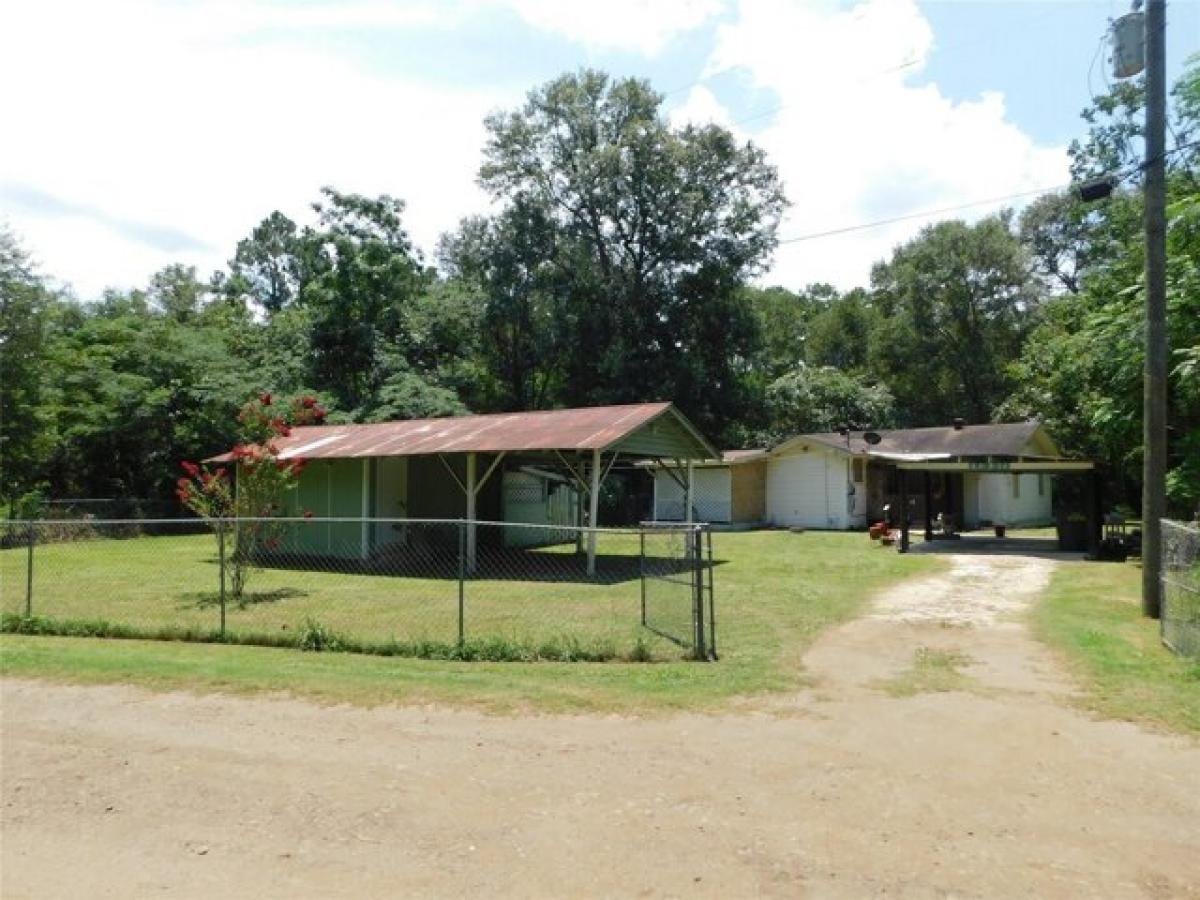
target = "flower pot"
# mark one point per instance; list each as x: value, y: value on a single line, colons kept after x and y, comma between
x: 1000, y: 530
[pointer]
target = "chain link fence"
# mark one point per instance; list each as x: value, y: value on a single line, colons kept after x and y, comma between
x: 430, y: 588
x: 1180, y: 614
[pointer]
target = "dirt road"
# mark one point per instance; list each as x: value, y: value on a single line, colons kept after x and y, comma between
x: 997, y: 790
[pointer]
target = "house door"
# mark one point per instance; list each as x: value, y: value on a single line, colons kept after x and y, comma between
x: 856, y: 503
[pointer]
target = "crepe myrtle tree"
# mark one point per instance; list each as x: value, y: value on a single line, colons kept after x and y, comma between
x: 254, y: 492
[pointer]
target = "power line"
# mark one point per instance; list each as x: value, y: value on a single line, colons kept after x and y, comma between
x: 863, y: 226
x: 1119, y: 175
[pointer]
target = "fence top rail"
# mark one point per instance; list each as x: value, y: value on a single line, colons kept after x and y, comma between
x: 1190, y: 527
x: 680, y: 527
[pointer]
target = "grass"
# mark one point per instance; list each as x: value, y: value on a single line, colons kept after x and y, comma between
x: 932, y: 671
x: 776, y: 591
x: 1091, y: 615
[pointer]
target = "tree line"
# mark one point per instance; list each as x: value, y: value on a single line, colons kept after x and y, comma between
x: 619, y: 264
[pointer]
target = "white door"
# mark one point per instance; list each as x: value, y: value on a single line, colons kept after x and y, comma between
x: 797, y: 491
x: 856, y: 471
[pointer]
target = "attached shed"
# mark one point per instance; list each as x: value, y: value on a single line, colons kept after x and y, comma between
x: 542, y: 468
x: 729, y: 491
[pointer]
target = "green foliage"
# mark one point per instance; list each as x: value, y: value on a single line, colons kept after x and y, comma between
x: 1080, y: 370
x: 953, y: 307
x: 812, y: 399
x: 27, y: 313
x: 619, y: 251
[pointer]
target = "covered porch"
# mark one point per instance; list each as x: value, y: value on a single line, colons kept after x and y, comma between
x: 933, y: 483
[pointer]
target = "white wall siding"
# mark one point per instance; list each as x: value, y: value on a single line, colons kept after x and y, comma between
x: 807, y: 489
x: 996, y: 502
x: 712, y: 500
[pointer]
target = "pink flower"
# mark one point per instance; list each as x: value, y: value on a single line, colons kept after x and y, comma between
x: 190, y: 467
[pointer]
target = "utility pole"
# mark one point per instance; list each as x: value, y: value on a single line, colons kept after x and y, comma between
x: 1154, y: 418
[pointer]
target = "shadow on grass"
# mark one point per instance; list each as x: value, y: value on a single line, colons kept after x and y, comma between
x: 212, y: 599
x: 492, y: 565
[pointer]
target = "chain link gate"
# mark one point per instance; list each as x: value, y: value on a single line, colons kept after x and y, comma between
x: 678, y: 597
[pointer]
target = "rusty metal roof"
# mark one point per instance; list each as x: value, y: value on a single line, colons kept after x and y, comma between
x: 589, y: 428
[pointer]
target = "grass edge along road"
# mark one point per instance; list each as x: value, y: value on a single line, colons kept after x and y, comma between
x: 1091, y: 616
x: 776, y: 592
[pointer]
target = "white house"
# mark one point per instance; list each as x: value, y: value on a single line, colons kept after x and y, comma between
x: 840, y: 481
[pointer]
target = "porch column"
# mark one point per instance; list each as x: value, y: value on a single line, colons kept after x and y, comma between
x: 1095, y: 513
x: 903, y: 510
x: 471, y: 512
x: 927, y: 484
x: 593, y: 512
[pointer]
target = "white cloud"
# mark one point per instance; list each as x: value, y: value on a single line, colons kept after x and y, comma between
x: 148, y: 133
x: 149, y: 120
x: 856, y: 140
x: 644, y: 26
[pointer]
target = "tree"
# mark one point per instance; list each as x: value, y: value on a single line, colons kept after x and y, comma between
x: 954, y: 305
x: 814, y: 399
x: 256, y: 493
x: 507, y: 265
x: 839, y: 334
x: 27, y: 311
x: 651, y: 232
x: 1081, y: 370
x: 175, y: 292
x: 269, y: 265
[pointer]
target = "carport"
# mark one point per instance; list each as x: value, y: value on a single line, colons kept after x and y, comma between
x: 908, y: 466
x: 366, y: 471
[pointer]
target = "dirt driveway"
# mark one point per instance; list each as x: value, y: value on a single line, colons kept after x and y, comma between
x: 997, y: 790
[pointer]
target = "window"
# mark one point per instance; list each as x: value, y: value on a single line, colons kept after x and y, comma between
x: 856, y: 467
x: 1016, y: 479
x: 1041, y: 485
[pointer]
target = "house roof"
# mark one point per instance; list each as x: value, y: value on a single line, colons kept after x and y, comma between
x: 647, y: 429
x: 1026, y: 439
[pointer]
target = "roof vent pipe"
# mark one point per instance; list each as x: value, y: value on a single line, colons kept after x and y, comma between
x: 958, y: 424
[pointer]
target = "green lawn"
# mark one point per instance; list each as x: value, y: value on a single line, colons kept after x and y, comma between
x: 775, y: 592
x: 1091, y: 615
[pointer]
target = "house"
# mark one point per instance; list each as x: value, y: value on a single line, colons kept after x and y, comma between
x: 541, y: 468
x: 974, y: 474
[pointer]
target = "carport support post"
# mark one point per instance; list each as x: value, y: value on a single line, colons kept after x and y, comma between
x: 471, y: 512
x: 690, y: 493
x: 927, y: 485
x: 593, y: 512
x: 903, y: 511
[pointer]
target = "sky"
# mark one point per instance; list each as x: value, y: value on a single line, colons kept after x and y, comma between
x: 147, y: 132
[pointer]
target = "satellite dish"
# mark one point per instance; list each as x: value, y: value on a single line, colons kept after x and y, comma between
x: 872, y: 437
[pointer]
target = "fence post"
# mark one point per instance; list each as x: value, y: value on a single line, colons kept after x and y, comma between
x: 698, y: 584
x: 29, y: 572
x: 712, y: 599
x: 221, y: 562
x: 642, y: 572
x: 462, y: 573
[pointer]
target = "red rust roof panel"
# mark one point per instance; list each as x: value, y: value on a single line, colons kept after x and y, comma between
x: 589, y: 428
